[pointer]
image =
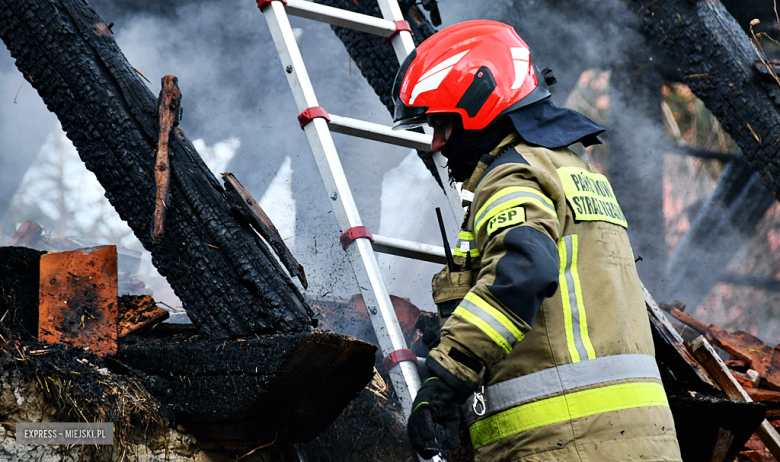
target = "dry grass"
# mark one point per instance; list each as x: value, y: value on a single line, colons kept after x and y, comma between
x: 78, y: 387
x: 757, y: 45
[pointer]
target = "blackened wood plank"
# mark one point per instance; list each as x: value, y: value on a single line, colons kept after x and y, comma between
x: 229, y: 285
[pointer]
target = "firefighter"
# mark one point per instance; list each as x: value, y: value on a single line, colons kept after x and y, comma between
x: 546, y: 340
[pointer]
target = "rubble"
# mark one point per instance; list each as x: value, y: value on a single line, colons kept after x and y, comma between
x: 99, y: 357
x: 26, y: 235
x: 751, y: 376
x: 137, y: 314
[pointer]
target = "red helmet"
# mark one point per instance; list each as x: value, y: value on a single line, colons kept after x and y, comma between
x: 478, y: 69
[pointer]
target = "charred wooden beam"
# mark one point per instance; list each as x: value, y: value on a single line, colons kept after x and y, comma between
x: 246, y: 206
x: 745, y: 11
x: 709, y: 155
x: 19, y: 273
x: 723, y: 225
x: 768, y: 284
x: 138, y: 313
x: 700, y: 420
x: 714, y: 57
x: 716, y: 60
x: 229, y: 286
x: 247, y: 392
x: 169, y: 114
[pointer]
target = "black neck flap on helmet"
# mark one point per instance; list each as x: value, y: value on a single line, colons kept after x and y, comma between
x: 547, y: 125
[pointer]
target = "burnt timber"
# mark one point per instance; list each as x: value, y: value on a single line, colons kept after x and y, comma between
x: 726, y: 222
x: 244, y: 393
x: 230, y: 285
x: 714, y: 57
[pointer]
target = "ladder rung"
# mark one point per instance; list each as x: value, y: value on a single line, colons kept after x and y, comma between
x: 342, y: 18
x: 409, y: 249
x: 379, y: 132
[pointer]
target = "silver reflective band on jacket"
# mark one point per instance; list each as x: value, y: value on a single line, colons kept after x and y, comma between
x: 513, y: 392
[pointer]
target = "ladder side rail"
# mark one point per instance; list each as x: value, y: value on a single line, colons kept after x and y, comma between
x: 403, y: 44
x: 360, y: 253
x: 342, y: 18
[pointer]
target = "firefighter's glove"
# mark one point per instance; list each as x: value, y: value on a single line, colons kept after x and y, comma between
x: 433, y: 423
x: 449, y: 288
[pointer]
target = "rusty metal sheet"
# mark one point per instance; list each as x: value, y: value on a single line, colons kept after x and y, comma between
x: 78, y: 299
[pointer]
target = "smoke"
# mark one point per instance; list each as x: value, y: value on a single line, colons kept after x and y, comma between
x: 279, y: 203
x: 233, y: 87
x: 572, y: 36
x: 24, y: 125
x: 408, y: 197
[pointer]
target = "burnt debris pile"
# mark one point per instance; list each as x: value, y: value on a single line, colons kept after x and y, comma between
x: 94, y: 356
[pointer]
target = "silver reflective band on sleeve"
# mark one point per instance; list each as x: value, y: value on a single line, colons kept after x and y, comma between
x: 490, y: 320
x: 513, y: 392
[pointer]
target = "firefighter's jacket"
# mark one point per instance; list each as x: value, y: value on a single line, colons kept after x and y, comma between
x: 556, y: 316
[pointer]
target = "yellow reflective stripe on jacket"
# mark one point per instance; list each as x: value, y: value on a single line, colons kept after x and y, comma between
x: 467, y: 244
x: 567, y: 407
x: 512, y: 197
x: 575, y: 319
x: 489, y: 320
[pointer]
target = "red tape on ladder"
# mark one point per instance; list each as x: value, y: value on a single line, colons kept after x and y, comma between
x: 264, y: 3
x: 312, y: 113
x: 404, y: 354
x: 356, y: 232
x: 400, y: 26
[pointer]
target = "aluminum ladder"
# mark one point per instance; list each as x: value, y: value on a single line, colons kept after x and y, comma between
x: 357, y: 241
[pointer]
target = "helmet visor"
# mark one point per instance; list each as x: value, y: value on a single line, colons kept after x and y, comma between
x: 408, y: 117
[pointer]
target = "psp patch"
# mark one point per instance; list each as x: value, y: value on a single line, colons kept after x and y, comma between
x: 505, y: 219
x: 590, y: 196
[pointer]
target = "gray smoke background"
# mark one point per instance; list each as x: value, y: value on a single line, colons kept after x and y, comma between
x: 233, y: 86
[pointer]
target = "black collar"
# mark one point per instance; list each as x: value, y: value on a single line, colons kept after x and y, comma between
x: 547, y: 125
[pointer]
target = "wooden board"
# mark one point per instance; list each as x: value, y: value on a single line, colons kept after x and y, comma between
x: 706, y: 354
x: 668, y: 341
